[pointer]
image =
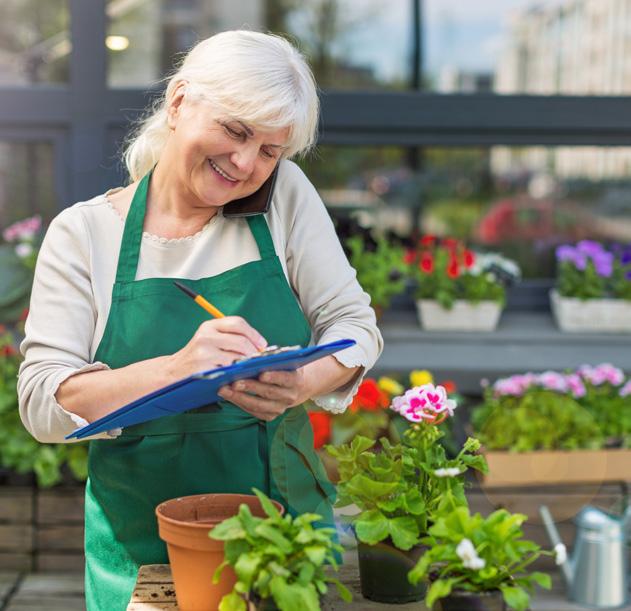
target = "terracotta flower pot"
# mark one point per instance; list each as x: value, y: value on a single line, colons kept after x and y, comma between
x: 184, y: 524
x: 383, y: 573
x: 459, y: 600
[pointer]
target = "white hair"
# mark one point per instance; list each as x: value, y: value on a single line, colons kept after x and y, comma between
x: 260, y: 79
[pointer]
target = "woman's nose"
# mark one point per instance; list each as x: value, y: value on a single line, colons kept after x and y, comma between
x: 244, y: 158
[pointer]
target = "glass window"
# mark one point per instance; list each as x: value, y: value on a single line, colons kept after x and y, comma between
x: 523, y: 202
x: 26, y: 181
x: 146, y: 37
x: 571, y: 47
x: 34, y: 42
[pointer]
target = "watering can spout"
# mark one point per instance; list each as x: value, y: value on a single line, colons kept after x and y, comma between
x: 553, y: 534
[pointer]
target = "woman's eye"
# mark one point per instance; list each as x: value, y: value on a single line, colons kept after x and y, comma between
x: 233, y: 132
x: 267, y: 154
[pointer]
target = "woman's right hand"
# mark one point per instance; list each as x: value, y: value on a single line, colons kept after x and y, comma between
x: 216, y: 343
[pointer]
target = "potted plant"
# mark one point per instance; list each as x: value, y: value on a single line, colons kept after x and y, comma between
x: 381, y: 270
x: 479, y: 563
x: 194, y: 557
x: 398, y: 489
x: 18, y: 254
x: 278, y: 561
x: 458, y: 289
x: 19, y: 451
x: 593, y: 290
x: 556, y: 427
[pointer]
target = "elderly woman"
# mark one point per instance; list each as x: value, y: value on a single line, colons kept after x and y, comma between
x: 107, y: 325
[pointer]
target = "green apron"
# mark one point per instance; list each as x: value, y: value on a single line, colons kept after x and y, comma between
x: 216, y: 448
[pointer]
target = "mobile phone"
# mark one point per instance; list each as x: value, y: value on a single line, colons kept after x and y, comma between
x: 256, y: 203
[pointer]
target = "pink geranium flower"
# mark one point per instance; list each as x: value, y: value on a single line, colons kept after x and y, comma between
x: 601, y: 374
x: 625, y: 391
x: 23, y: 230
x: 427, y: 403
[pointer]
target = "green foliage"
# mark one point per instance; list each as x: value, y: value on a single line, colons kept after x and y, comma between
x: 456, y: 217
x: 538, y: 420
x: 279, y: 558
x: 582, y: 284
x: 18, y: 450
x: 382, y: 272
x: 502, y: 552
x: 397, y: 489
x: 15, y: 284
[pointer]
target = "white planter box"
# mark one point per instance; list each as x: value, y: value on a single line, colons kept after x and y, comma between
x: 591, y: 315
x: 463, y: 316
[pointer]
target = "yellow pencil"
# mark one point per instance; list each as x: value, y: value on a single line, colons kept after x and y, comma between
x: 199, y: 300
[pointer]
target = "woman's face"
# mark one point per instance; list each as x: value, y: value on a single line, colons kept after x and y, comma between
x: 217, y: 160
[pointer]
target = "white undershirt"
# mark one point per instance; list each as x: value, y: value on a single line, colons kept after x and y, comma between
x: 76, y: 268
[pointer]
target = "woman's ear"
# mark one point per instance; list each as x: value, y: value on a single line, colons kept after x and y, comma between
x: 174, y: 107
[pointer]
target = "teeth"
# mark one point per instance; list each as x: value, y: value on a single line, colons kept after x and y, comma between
x: 220, y: 171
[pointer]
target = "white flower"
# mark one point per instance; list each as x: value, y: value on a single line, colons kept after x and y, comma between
x: 560, y: 553
x: 475, y: 564
x: 469, y: 556
x: 23, y: 250
x: 447, y: 472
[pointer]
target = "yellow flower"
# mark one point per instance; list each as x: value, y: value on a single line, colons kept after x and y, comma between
x: 392, y: 387
x: 418, y: 377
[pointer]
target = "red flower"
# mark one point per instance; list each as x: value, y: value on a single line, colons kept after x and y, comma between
x: 321, y: 425
x: 427, y: 263
x: 3, y: 329
x: 409, y: 257
x: 450, y: 243
x: 8, y: 350
x: 453, y: 269
x: 469, y: 258
x: 369, y: 397
x: 449, y: 386
x: 427, y: 240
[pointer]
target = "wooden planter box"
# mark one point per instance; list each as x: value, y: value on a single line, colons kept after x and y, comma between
x: 41, y: 530
x: 557, y: 467
x: 463, y: 316
x: 591, y: 315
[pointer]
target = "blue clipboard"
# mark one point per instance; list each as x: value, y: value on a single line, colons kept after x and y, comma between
x: 201, y: 388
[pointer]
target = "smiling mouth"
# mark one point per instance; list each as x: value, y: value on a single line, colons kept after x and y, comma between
x: 221, y: 172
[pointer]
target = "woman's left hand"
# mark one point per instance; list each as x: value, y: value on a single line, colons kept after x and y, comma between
x: 270, y: 395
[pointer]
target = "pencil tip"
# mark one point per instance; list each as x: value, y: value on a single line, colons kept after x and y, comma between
x: 185, y: 288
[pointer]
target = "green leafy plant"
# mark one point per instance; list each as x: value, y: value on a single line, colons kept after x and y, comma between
x: 583, y: 409
x: 446, y: 270
x: 18, y: 450
x: 18, y: 254
x: 400, y: 488
x: 475, y: 554
x: 380, y: 272
x: 278, y: 557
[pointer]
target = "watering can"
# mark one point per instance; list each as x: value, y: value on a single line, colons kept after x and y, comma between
x: 596, y: 573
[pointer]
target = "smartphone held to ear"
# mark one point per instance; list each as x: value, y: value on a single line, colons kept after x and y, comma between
x: 257, y: 203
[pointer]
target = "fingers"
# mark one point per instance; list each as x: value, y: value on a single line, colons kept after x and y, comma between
x: 263, y: 409
x: 236, y: 325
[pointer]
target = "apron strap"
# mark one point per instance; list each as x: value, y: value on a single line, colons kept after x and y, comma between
x: 262, y: 235
x: 132, y: 234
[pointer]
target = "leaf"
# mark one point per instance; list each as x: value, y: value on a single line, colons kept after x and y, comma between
x: 342, y: 590
x: 246, y: 566
x: 439, y: 589
x: 269, y: 532
x: 515, y: 597
x: 372, y: 527
x: 404, y: 532
x: 266, y: 503
x: 232, y: 602
x: 316, y: 554
x: 541, y: 579
x: 293, y: 597
x: 227, y: 530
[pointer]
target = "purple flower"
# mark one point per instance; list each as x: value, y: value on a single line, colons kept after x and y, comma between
x: 626, y: 389
x: 590, y: 248
x: 628, y: 275
x: 603, y: 262
x: 565, y: 253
